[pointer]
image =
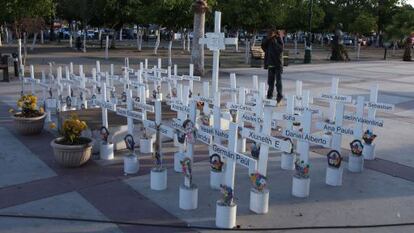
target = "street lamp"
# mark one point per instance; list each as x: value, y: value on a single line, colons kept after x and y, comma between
x: 308, y: 45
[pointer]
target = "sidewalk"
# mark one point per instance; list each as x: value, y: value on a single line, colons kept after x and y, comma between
x: 32, y: 183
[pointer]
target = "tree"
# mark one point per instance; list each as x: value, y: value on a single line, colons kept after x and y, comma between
x: 298, y: 16
x: 402, y: 28
x: 20, y: 12
x: 197, y: 53
x: 364, y: 24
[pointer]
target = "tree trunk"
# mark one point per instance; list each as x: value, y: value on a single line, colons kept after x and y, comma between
x: 188, y: 42
x: 197, y: 53
x: 157, y: 42
x: 84, y: 41
x: 120, y: 34
x: 247, y: 51
x: 183, y: 39
x: 42, y: 39
x: 254, y: 39
x: 394, y: 45
x: 7, y: 35
x: 24, y: 48
x: 170, y: 53
x: 113, y: 40
x: 237, y: 41
x: 139, y: 39
x: 52, y: 33
x: 34, y: 42
x: 106, y: 47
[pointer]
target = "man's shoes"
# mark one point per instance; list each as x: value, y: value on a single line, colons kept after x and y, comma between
x: 269, y: 97
x: 279, y: 101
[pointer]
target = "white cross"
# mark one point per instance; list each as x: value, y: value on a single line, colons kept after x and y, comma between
x: 191, y: 78
x: 306, y: 137
x: 337, y: 102
x: 233, y: 88
x: 372, y: 106
x: 216, y: 41
x: 232, y: 157
x: 105, y: 105
x: 32, y: 80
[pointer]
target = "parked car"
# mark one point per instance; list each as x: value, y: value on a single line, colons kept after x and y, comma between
x: 348, y: 40
x: 128, y: 34
x: 64, y: 32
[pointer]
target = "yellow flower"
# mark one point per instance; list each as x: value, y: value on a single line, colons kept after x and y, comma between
x: 52, y: 125
x: 19, y: 104
x: 41, y: 110
x: 11, y: 110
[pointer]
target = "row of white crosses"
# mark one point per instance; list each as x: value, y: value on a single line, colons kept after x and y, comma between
x: 336, y: 127
x: 44, y: 84
x: 259, y: 134
x: 262, y: 136
x: 373, y: 106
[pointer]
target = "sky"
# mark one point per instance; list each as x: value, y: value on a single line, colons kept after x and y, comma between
x: 411, y: 2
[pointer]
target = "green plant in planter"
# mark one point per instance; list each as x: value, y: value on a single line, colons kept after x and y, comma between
x: 72, y: 130
x: 28, y: 106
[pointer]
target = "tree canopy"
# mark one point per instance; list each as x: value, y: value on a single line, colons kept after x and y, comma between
x: 357, y: 16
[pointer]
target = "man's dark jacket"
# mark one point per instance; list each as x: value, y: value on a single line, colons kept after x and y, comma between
x: 273, y: 48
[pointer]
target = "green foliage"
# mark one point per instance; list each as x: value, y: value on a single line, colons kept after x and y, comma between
x: 14, y: 10
x: 26, y: 15
x: 364, y: 24
x: 298, y: 16
x: 402, y: 24
x: 253, y: 15
x: 357, y: 16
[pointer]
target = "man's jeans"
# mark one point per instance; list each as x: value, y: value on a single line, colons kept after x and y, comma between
x: 274, y: 75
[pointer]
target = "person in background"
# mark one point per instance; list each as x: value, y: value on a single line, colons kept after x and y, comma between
x: 272, y: 45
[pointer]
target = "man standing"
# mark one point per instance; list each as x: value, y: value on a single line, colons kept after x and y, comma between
x: 273, y: 48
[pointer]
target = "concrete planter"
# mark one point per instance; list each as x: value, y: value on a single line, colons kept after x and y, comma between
x: 29, y: 126
x: 71, y: 155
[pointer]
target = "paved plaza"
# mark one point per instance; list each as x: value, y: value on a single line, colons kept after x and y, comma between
x: 32, y: 183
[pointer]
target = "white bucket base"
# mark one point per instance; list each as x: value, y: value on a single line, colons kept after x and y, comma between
x: 215, y: 179
x: 334, y: 176
x: 106, y: 151
x: 355, y: 163
x: 188, y: 198
x: 176, y: 143
x: 300, y: 187
x: 131, y: 164
x: 288, y: 161
x: 369, y: 151
x: 241, y: 145
x: 226, y: 216
x: 251, y: 169
x: 158, y: 179
x: 178, y: 156
x: 145, y: 146
x: 259, y: 201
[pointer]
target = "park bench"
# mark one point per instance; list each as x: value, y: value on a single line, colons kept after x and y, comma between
x: 257, y: 54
